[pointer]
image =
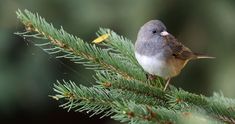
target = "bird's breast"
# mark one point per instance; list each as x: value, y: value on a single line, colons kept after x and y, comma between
x: 157, y: 65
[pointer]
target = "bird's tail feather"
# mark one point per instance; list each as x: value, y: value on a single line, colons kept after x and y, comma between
x: 202, y: 56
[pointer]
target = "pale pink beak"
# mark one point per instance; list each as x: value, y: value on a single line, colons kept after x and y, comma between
x: 164, y: 33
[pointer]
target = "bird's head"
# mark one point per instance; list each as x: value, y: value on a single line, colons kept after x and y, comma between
x: 153, y: 28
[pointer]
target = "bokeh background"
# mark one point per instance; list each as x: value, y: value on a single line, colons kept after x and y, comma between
x: 27, y: 73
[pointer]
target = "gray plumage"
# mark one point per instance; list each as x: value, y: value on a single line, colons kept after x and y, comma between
x: 155, y: 41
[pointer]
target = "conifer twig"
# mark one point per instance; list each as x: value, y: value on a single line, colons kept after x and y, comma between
x: 75, y: 47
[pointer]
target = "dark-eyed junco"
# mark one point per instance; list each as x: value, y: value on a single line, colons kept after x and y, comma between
x: 159, y: 53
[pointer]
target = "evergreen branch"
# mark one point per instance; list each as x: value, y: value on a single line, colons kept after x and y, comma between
x: 224, y: 107
x: 119, y: 44
x: 142, y: 114
x: 81, y: 98
x: 95, y: 99
x: 77, y: 49
x: 137, y: 113
x: 110, y: 80
x: 217, y: 106
x: 116, y: 104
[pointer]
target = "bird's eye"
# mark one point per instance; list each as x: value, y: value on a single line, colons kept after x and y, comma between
x: 154, y: 31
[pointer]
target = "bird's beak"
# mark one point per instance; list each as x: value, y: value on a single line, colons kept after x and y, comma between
x: 164, y: 33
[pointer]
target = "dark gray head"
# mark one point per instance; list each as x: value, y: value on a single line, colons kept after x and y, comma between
x: 153, y: 28
x: 150, y: 39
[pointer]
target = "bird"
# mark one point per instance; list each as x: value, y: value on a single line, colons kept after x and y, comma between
x: 160, y: 54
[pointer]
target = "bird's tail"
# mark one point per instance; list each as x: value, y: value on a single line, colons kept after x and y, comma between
x: 202, y: 56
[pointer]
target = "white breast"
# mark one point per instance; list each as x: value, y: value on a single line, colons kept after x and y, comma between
x: 154, y: 65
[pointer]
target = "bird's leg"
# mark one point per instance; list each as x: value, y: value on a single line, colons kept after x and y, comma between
x: 151, y: 77
x: 167, y: 83
x: 153, y: 80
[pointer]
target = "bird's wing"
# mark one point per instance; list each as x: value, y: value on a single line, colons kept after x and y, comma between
x: 178, y: 49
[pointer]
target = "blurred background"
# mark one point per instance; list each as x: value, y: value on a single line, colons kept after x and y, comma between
x: 27, y: 73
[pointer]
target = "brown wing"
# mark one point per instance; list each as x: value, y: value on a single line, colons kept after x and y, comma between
x: 178, y: 49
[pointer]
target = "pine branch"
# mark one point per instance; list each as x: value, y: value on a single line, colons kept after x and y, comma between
x: 120, y: 106
x: 99, y: 100
x: 75, y: 48
x: 142, y: 114
x: 81, y: 98
x: 121, y: 90
x: 137, y: 113
x: 113, y: 81
x: 217, y: 106
x: 119, y: 44
x: 71, y: 92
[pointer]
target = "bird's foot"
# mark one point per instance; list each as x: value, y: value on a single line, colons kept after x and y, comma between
x: 151, y: 77
x: 157, y: 81
x: 153, y: 80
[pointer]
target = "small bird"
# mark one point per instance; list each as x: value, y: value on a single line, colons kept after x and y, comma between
x: 159, y: 53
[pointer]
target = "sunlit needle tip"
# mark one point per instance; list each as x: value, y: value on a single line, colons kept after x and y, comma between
x: 100, y: 38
